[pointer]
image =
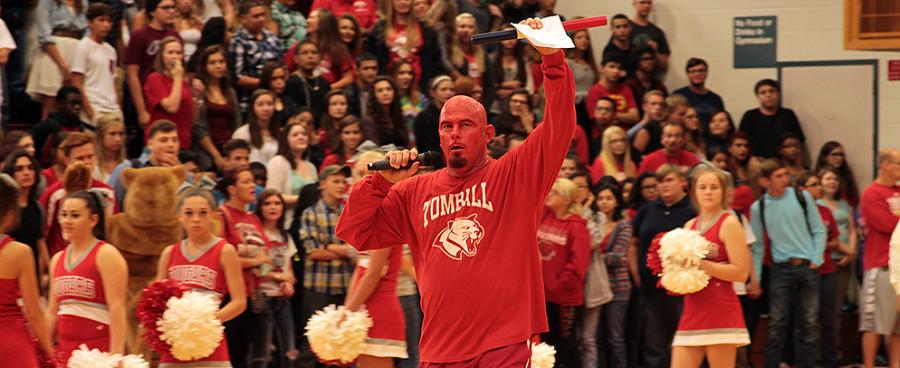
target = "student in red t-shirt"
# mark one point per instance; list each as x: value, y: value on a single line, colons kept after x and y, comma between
x: 880, y: 207
x: 673, y: 151
x: 611, y: 69
x: 142, y: 49
x: 471, y: 227
x: 167, y: 93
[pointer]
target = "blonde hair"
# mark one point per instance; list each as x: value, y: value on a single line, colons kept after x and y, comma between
x: 606, y: 156
x: 725, y: 182
x: 457, y: 56
x: 104, y: 124
x: 568, y: 190
x: 412, y: 34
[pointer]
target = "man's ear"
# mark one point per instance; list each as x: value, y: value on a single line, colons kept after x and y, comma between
x: 489, y: 133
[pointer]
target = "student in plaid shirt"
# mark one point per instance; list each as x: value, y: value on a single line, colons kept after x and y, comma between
x: 252, y: 47
x: 328, y: 267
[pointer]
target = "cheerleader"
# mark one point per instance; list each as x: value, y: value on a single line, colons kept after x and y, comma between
x: 712, y: 324
x: 18, y: 280
x: 88, y: 281
x: 203, y: 262
x: 374, y: 287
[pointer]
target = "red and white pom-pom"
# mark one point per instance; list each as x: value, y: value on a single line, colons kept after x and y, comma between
x: 543, y: 355
x: 337, y: 335
x: 94, y: 358
x: 150, y: 309
x: 681, y: 251
x: 190, y: 326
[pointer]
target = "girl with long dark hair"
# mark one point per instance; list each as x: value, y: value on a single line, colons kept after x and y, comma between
x: 218, y: 115
x: 834, y: 155
x: 274, y: 77
x: 290, y: 170
x: 386, y: 115
x: 261, y: 129
x: 18, y: 282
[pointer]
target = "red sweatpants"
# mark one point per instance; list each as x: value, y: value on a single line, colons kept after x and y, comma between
x: 511, y: 356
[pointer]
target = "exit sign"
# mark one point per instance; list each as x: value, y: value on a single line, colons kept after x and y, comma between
x: 893, y: 70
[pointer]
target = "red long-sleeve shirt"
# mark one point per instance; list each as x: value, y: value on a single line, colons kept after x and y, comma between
x: 565, y: 246
x: 473, y: 238
x: 876, y: 204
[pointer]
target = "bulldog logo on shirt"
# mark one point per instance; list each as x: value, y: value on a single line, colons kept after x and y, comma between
x: 461, y: 237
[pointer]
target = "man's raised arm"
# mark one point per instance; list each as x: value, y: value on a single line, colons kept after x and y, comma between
x: 546, y: 147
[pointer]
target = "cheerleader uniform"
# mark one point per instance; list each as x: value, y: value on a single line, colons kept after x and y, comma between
x: 387, y: 336
x: 201, y: 272
x: 699, y: 326
x: 83, y: 317
x: 16, y: 346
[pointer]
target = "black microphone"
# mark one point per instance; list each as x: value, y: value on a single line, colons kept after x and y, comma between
x: 429, y: 158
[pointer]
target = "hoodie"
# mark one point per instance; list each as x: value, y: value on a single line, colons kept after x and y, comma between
x: 565, y: 246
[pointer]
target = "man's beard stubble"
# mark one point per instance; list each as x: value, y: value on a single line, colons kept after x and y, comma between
x: 457, y: 162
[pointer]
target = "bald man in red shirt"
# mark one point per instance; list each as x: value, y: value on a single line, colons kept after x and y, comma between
x: 472, y: 227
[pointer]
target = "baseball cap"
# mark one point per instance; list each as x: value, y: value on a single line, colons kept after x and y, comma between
x: 333, y: 170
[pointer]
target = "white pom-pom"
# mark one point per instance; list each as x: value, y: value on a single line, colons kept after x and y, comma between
x: 336, y: 334
x: 543, y: 356
x: 681, y: 251
x: 685, y: 281
x: 94, y: 358
x: 190, y: 326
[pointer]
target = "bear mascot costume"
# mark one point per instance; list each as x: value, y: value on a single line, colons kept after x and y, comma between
x: 143, y: 231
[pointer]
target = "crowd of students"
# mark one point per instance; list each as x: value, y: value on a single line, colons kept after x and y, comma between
x: 268, y: 104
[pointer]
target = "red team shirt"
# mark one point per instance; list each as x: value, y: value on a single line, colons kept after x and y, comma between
x: 620, y: 93
x: 473, y: 238
x: 83, y: 314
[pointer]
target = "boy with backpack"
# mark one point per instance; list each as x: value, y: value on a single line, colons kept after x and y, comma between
x: 791, y: 240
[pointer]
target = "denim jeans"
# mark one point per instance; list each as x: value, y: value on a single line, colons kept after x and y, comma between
x: 276, y: 320
x: 829, y: 309
x: 587, y: 336
x: 412, y: 311
x: 793, y: 289
x: 661, y: 315
x: 614, y: 314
